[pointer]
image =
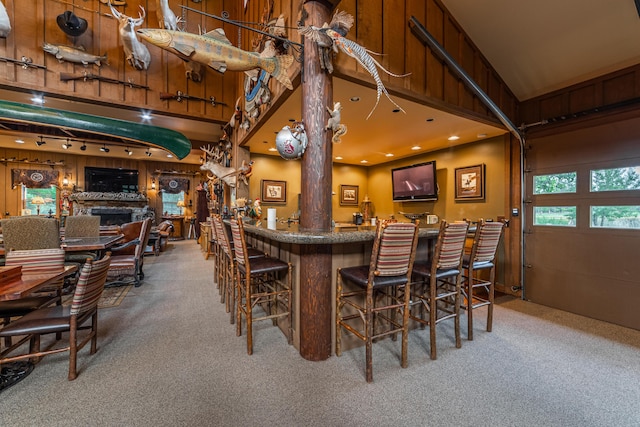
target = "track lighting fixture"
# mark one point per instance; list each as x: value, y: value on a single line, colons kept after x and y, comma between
x: 66, y: 145
x: 129, y: 152
x: 148, y: 153
x: 84, y: 146
x: 104, y: 149
x: 41, y: 141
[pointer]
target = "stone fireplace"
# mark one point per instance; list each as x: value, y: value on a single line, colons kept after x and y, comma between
x: 113, y: 208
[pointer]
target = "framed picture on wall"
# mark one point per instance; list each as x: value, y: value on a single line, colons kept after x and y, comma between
x: 470, y: 182
x: 274, y: 191
x: 349, y: 195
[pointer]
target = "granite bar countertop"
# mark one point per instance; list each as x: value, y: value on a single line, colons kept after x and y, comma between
x: 341, y: 233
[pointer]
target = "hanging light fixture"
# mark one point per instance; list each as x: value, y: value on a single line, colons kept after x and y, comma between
x: 104, y: 148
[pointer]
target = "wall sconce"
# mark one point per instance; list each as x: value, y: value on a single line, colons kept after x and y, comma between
x: 153, y: 183
x: 65, y: 181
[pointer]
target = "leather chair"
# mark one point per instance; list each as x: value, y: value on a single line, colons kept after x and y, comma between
x: 436, y: 286
x: 58, y: 319
x: 258, y: 285
x: 127, y: 259
x: 382, y: 291
x: 481, y: 258
x: 164, y: 229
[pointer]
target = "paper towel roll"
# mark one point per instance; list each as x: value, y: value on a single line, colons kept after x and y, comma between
x: 271, y: 218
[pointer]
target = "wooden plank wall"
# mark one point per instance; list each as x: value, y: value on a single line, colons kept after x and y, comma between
x: 34, y: 23
x: 573, y: 105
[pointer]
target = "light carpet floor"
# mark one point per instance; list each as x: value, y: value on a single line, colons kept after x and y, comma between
x: 169, y: 357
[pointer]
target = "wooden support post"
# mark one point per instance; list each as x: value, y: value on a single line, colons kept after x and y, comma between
x: 315, y: 215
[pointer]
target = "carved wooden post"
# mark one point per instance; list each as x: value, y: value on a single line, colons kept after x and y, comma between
x: 315, y: 213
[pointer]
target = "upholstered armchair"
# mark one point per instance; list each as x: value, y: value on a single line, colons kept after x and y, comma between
x: 30, y: 232
x: 127, y: 259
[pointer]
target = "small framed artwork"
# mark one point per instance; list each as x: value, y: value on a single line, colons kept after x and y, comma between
x: 470, y: 182
x: 349, y: 195
x: 274, y: 191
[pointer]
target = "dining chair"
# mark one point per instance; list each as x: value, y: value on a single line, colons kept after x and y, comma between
x: 259, y: 287
x: 81, y: 226
x: 481, y: 259
x: 80, y: 315
x: 382, y: 291
x: 436, y: 282
x: 127, y: 259
x: 38, y: 261
x: 31, y: 232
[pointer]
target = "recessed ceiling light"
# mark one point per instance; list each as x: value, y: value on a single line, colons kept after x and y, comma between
x: 338, y: 157
x: 273, y: 149
x: 170, y: 156
x: 364, y: 161
x: 19, y: 141
x: 145, y: 115
x: 482, y: 135
x: 453, y: 138
x: 37, y: 99
x: 416, y: 148
x: 354, y: 99
x: 389, y: 155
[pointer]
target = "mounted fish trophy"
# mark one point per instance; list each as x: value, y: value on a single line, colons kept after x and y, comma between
x: 73, y: 54
x: 291, y: 142
x: 214, y: 50
x: 5, y: 24
x: 137, y: 54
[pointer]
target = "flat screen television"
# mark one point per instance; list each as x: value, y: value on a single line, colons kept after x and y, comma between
x: 415, y: 182
x: 110, y: 180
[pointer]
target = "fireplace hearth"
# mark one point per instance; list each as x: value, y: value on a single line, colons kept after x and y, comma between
x: 112, y: 216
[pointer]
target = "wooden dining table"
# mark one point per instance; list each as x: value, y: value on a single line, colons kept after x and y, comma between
x: 84, y: 244
x: 29, y: 283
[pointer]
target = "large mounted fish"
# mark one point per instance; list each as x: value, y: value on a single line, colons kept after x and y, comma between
x: 72, y: 54
x: 5, y: 24
x: 214, y: 50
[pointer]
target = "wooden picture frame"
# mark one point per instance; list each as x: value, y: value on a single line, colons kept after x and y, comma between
x: 470, y: 182
x: 349, y: 195
x: 274, y: 191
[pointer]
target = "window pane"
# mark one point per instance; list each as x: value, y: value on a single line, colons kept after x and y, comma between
x: 48, y: 196
x: 555, y: 183
x: 615, y: 217
x: 563, y: 216
x: 615, y: 179
x: 170, y: 203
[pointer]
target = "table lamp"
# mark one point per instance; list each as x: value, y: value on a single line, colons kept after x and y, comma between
x: 181, y: 205
x: 37, y: 201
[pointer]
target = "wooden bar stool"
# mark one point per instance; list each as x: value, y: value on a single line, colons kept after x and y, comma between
x: 436, y: 289
x: 481, y: 258
x: 258, y: 286
x: 382, y: 291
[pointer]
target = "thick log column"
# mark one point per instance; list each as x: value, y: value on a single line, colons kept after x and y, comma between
x: 315, y: 210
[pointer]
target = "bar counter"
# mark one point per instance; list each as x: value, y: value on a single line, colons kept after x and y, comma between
x: 349, y: 245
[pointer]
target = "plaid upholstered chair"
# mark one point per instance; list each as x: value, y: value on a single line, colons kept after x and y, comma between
x: 127, y: 259
x: 481, y: 258
x: 380, y: 291
x: 258, y: 285
x: 436, y: 287
x: 58, y: 319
